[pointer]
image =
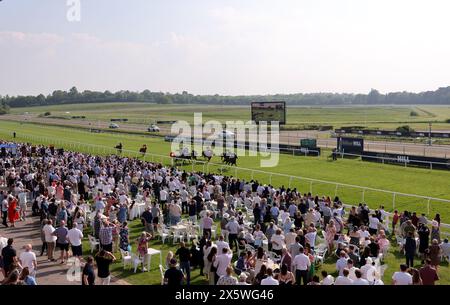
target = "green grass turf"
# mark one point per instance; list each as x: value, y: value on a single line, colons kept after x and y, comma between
x: 425, y: 182
x: 419, y: 181
x: 374, y: 117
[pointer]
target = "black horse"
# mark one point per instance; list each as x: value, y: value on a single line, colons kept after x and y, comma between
x: 180, y: 158
x: 143, y: 150
x: 229, y: 160
x: 206, y: 157
x: 119, y: 148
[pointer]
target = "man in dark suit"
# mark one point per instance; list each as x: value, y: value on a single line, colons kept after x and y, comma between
x: 410, y: 249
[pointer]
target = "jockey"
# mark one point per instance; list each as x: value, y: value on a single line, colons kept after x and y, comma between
x: 230, y: 154
x: 185, y: 152
x: 208, y: 152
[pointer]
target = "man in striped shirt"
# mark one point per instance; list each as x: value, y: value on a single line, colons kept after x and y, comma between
x: 105, y: 236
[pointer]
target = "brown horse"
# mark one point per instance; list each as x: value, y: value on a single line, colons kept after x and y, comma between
x: 143, y: 150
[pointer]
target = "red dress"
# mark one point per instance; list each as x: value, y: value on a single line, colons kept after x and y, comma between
x: 13, y: 214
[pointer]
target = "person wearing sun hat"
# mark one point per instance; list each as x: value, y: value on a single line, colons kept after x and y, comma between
x: 242, y: 280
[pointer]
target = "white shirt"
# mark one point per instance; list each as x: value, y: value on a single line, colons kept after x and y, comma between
x: 123, y: 199
x: 290, y: 239
x: 301, y: 262
x: 368, y: 272
x: 341, y: 264
x: 75, y: 236
x: 163, y: 195
x: 3, y: 243
x: 328, y: 280
x: 269, y: 281
x: 258, y: 235
x: 311, y: 238
x: 27, y: 259
x: 183, y: 195
x: 360, y: 281
x: 373, y: 223
x: 364, y: 233
x: 232, y: 227
x: 279, y: 239
x: 221, y: 263
x: 342, y: 280
x: 5, y: 205
x: 221, y: 244
x: 22, y: 198
x: 402, y: 278
x: 48, y: 230
x: 351, y: 273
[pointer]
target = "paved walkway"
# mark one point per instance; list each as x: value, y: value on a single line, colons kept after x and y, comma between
x: 48, y: 273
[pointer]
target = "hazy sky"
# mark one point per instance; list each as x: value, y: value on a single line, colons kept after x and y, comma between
x: 225, y: 46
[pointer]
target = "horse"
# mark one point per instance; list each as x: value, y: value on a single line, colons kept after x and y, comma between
x: 229, y: 160
x: 143, y: 150
x: 119, y: 148
x: 193, y: 155
x: 204, y: 155
x: 180, y: 158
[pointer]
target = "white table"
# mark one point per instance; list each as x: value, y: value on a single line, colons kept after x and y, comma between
x: 137, y: 210
x: 148, y: 257
x: 177, y: 229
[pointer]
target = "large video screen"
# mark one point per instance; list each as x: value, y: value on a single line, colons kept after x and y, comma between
x: 269, y: 111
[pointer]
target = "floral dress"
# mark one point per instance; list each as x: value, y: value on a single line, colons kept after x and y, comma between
x: 143, y: 246
x: 123, y: 239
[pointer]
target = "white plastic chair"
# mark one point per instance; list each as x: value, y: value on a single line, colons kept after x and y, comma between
x: 161, y: 271
x: 126, y: 258
x: 177, y: 237
x: 163, y: 234
x: 214, y: 231
x: 137, y: 261
x: 191, y: 234
x: 320, y: 255
x: 93, y: 243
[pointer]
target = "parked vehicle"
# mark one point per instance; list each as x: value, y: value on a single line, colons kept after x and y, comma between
x: 153, y: 128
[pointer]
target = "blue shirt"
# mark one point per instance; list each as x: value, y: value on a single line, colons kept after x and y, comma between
x: 240, y: 265
x: 274, y: 211
x: 29, y: 280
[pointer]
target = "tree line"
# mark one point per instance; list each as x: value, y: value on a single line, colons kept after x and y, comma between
x: 374, y: 97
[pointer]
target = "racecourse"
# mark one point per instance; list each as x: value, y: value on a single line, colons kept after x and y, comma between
x: 424, y: 182
x: 383, y: 117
